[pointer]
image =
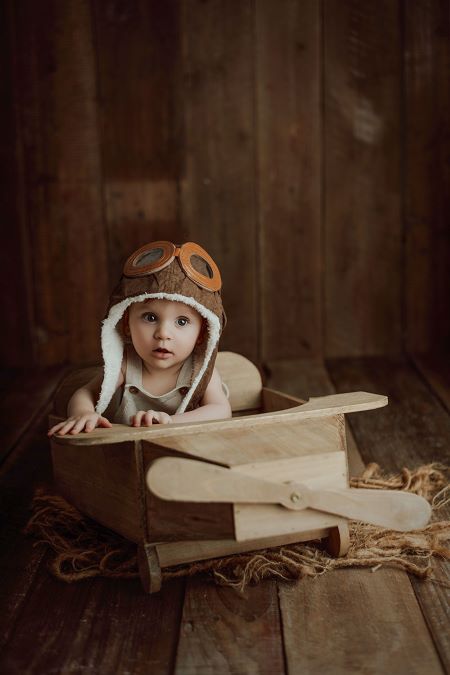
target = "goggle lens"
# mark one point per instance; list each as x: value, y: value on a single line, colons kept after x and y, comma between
x: 149, y: 258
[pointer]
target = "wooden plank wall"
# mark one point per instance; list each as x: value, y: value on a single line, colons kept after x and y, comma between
x: 304, y: 143
x: 362, y: 195
x: 426, y: 117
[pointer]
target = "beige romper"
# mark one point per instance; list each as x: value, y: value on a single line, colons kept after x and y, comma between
x: 135, y: 397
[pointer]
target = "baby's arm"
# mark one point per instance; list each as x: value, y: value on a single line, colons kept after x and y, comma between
x: 214, y: 406
x: 81, y: 409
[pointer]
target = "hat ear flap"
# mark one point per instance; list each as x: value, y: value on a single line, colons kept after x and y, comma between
x: 126, y: 324
x: 203, y: 331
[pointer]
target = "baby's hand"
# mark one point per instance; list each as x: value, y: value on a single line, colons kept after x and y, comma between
x: 75, y: 424
x: 146, y: 419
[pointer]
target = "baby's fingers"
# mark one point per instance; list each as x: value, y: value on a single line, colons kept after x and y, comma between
x: 137, y: 419
x: 68, y: 424
x: 150, y: 418
x: 55, y: 428
x: 80, y: 425
x: 100, y: 422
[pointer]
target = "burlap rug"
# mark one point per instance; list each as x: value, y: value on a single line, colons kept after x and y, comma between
x: 81, y: 548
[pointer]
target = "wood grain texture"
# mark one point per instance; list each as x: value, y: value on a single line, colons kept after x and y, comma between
x: 427, y: 174
x: 59, y: 151
x: 19, y: 560
x: 138, y: 212
x: 354, y: 621
x: 243, y: 380
x: 15, y: 342
x: 288, y: 180
x: 194, y: 438
x: 48, y: 626
x: 233, y: 444
x: 101, y: 482
x: 168, y: 521
x: 111, y: 626
x: 138, y: 52
x: 223, y: 631
x: 137, y: 44
x: 23, y: 397
x: 435, y: 370
x: 27, y: 464
x: 305, y: 378
x: 313, y: 608
x: 413, y: 430
x: 177, y: 553
x: 362, y: 198
x: 217, y: 202
x: 68, y: 628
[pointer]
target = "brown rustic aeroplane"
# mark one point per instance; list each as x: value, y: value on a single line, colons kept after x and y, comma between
x: 275, y: 473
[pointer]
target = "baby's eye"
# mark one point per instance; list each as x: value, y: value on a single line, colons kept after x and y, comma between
x: 149, y: 317
x: 182, y: 321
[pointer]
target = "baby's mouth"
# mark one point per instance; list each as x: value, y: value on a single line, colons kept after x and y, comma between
x: 161, y: 350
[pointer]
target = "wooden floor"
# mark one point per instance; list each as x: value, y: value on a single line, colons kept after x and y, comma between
x: 348, y: 621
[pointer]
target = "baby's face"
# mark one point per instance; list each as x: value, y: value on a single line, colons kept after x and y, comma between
x: 164, y: 333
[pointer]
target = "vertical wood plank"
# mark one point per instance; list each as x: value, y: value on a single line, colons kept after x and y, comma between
x: 138, y: 51
x: 65, y: 238
x: 224, y: 632
x: 15, y: 280
x: 427, y: 174
x: 138, y: 56
x: 218, y: 183
x: 363, y: 228
x: 289, y: 152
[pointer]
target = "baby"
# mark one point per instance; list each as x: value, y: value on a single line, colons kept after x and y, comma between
x: 160, y: 335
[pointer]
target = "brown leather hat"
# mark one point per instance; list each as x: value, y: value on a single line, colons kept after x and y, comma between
x: 164, y: 271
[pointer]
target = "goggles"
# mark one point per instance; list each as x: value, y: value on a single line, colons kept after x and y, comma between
x: 195, y: 262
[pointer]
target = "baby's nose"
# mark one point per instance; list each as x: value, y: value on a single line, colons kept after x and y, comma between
x: 162, y: 331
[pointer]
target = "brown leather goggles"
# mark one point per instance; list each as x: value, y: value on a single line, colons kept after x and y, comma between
x: 195, y: 262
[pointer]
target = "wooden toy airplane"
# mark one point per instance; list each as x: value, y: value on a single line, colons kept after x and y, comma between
x: 275, y: 473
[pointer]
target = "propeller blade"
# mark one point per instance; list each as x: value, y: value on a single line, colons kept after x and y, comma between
x: 189, y: 480
x: 185, y: 480
x: 393, y: 509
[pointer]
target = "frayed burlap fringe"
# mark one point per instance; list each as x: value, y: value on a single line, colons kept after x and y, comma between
x: 82, y: 548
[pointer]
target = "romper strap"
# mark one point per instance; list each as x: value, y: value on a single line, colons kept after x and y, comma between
x: 133, y: 372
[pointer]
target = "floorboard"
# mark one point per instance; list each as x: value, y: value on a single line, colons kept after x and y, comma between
x: 435, y: 370
x: 413, y: 429
x: 95, y: 626
x: 356, y: 621
x: 226, y: 632
x: 22, y: 403
x: 26, y: 466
